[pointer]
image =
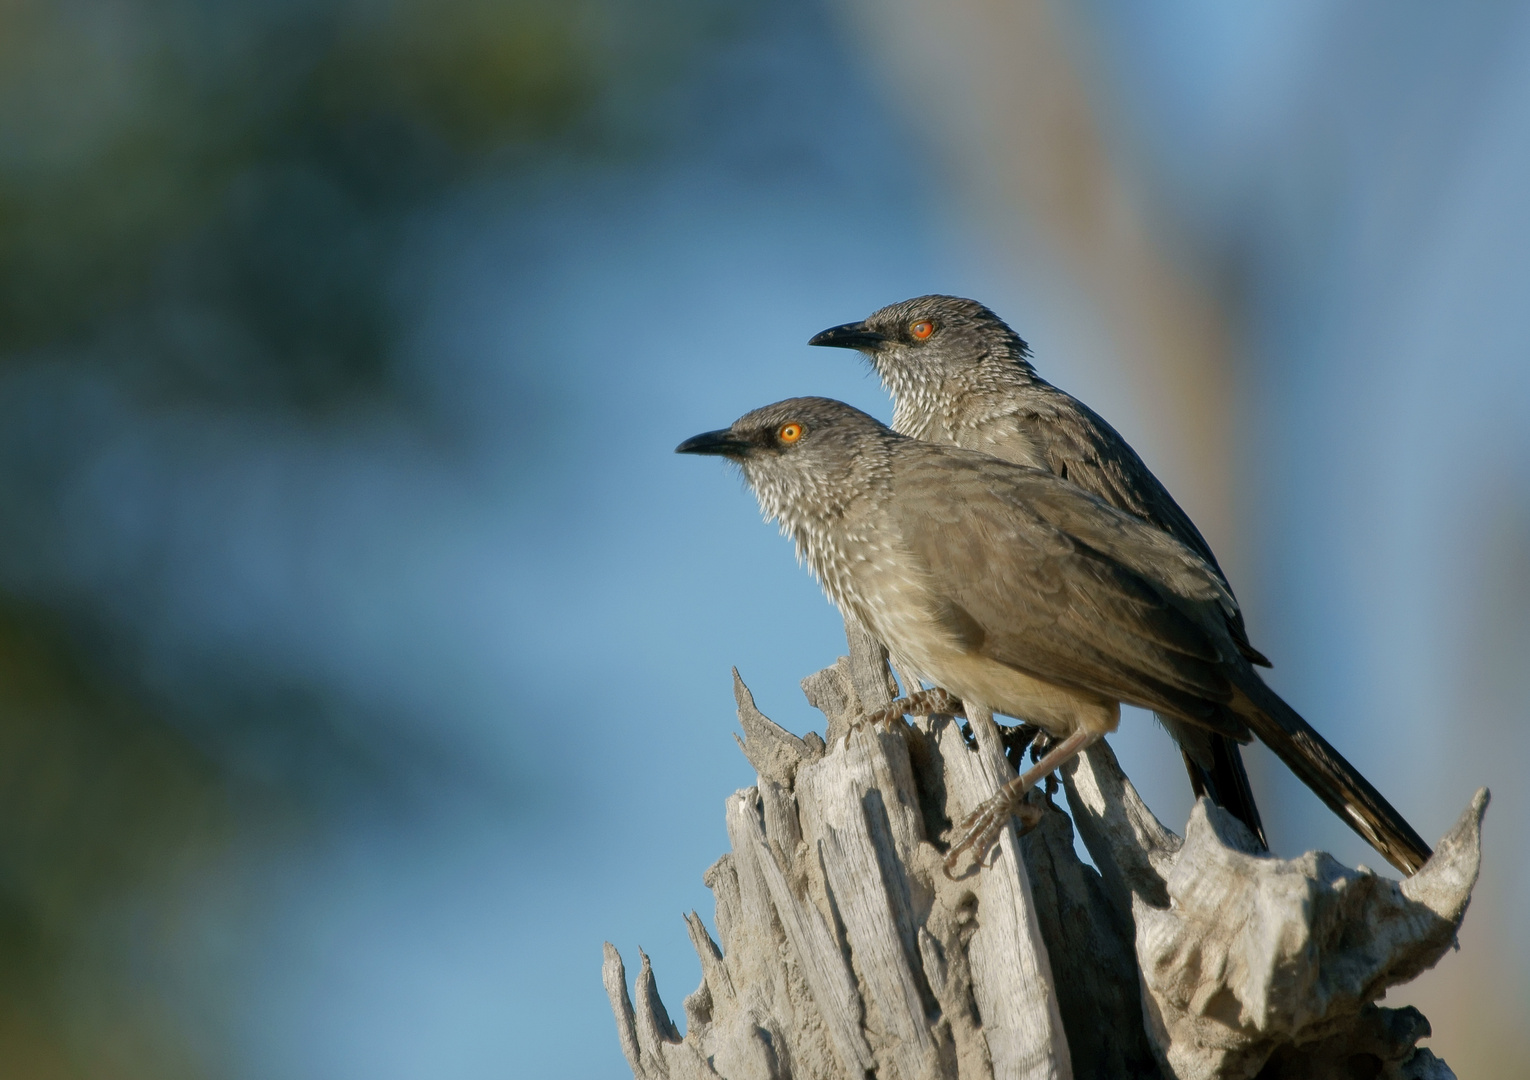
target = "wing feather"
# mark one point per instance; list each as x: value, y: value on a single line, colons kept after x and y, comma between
x: 1079, y: 446
x: 1053, y: 582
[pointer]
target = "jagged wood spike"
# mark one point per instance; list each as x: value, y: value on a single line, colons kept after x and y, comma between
x: 1012, y: 981
x: 614, y: 975
x: 851, y: 868
x: 1094, y: 963
x: 774, y: 752
x: 1129, y: 845
x: 713, y: 971
x: 868, y: 668
x: 653, y: 1023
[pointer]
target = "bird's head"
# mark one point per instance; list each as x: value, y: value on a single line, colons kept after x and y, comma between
x: 804, y: 457
x: 929, y: 342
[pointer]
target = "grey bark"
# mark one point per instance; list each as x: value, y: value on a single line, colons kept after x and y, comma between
x: 846, y: 952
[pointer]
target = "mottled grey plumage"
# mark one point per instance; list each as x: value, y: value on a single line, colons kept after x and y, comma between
x: 1017, y: 590
x: 969, y: 382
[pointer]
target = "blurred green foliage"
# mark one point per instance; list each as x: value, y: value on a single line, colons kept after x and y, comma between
x: 207, y: 202
x: 98, y: 796
x: 214, y: 192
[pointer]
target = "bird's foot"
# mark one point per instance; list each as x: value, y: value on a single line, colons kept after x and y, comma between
x: 919, y: 703
x: 980, y: 829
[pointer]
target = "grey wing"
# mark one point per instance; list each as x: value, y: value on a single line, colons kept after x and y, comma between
x: 1045, y: 600
x: 1080, y: 446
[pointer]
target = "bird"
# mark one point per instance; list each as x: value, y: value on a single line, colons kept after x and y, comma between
x: 1022, y: 594
x: 959, y: 375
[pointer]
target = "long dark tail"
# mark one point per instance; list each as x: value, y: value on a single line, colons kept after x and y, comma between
x: 1226, y: 784
x: 1332, y: 779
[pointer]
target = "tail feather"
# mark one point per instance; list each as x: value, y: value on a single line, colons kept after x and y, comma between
x: 1331, y: 778
x: 1225, y: 782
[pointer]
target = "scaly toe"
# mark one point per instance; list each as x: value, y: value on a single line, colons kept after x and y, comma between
x: 977, y: 832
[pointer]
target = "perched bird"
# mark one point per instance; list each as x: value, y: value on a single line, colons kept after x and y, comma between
x: 1023, y: 594
x: 959, y: 375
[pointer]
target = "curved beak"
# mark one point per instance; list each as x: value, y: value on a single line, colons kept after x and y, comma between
x: 721, y: 443
x: 853, y: 335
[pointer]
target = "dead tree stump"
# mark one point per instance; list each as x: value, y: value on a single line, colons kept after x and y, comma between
x: 846, y: 952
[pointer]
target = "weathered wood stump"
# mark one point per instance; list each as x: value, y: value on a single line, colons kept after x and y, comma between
x: 847, y: 952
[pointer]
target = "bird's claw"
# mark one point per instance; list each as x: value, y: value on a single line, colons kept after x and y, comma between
x: 919, y: 703
x: 980, y: 829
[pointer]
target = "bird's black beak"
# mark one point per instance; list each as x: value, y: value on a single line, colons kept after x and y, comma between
x: 720, y: 443
x: 853, y: 335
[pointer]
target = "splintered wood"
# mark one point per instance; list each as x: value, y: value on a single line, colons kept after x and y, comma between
x: 847, y: 953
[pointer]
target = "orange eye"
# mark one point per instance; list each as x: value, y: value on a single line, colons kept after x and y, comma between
x: 789, y: 433
x: 922, y: 329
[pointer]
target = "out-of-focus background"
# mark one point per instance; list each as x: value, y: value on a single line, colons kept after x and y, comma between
x: 363, y: 648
